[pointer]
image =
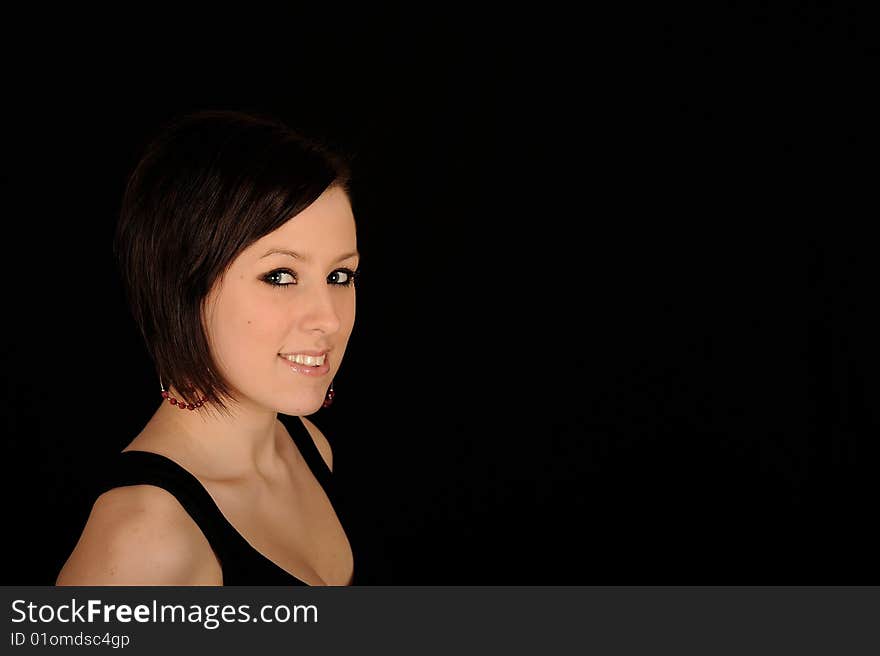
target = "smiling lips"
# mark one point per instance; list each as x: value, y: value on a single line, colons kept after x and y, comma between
x: 308, y: 364
x: 310, y: 360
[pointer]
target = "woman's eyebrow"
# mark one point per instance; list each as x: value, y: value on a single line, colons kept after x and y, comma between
x: 304, y: 258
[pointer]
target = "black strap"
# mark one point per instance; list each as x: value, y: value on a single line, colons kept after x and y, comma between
x: 146, y: 468
x: 306, y: 445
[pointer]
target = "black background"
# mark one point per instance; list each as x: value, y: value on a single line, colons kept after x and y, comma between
x: 580, y: 354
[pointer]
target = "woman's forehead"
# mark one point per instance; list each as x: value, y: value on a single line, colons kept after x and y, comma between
x: 325, y: 229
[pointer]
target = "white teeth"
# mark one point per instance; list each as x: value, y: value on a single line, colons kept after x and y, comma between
x: 310, y: 360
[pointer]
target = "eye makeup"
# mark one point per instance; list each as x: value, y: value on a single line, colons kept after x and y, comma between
x: 276, y: 277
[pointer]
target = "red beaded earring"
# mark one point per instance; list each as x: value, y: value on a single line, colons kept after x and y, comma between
x: 329, y: 398
x: 180, y: 404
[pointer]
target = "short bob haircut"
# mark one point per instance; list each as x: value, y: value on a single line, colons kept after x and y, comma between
x: 208, y: 184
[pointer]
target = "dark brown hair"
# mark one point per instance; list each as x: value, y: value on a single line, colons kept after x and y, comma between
x: 209, y: 184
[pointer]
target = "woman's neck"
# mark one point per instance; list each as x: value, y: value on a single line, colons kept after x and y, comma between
x: 243, y: 444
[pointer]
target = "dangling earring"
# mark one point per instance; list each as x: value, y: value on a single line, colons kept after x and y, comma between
x: 180, y: 404
x: 328, y: 400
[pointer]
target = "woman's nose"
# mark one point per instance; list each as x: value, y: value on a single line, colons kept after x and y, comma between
x: 319, y: 309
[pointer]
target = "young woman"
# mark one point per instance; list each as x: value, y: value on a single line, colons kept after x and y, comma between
x: 237, y: 247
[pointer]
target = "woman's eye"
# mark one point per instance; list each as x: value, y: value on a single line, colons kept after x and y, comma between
x: 280, y: 278
x: 343, y: 277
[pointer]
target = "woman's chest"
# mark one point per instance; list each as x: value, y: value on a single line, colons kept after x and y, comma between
x: 293, y: 524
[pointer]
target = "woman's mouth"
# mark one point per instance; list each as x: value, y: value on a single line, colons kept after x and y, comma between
x: 307, y: 365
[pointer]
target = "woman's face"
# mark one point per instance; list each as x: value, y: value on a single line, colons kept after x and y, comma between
x: 290, y: 292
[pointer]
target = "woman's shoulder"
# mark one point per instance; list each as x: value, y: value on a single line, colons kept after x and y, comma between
x: 140, y: 535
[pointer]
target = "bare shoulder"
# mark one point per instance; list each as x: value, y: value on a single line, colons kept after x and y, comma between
x: 140, y: 535
x: 320, y: 441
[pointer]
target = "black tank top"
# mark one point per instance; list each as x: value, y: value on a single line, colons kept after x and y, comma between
x: 241, y: 563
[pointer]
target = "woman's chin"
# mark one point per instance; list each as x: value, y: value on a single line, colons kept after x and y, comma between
x: 301, y: 408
